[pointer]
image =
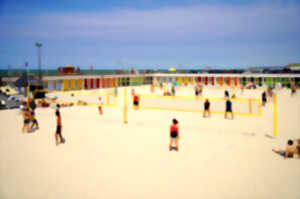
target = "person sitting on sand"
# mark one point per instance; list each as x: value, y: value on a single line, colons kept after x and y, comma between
x: 298, y: 146
x: 288, y: 152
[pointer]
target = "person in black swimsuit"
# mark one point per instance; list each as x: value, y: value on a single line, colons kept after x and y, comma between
x: 58, y: 127
x: 206, y: 108
x: 26, y: 115
x: 228, y: 108
x: 264, y: 98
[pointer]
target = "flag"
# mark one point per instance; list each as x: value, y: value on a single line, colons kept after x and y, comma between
x: 26, y: 64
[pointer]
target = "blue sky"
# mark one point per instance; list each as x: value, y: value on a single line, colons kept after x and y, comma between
x: 150, y: 33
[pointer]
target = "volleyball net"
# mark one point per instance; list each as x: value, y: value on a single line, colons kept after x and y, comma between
x: 240, y: 106
x: 81, y: 97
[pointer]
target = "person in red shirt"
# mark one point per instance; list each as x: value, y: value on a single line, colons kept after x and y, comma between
x: 136, y: 101
x: 174, y: 135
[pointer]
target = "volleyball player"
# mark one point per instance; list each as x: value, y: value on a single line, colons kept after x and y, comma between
x: 173, y: 90
x: 293, y: 88
x: 226, y: 93
x: 152, y: 88
x: 228, y: 108
x: 174, y: 135
x: 206, y: 108
x: 33, y: 120
x: 58, y: 127
x: 100, y: 106
x: 264, y: 98
x: 132, y: 92
x: 26, y: 116
x: 136, y: 101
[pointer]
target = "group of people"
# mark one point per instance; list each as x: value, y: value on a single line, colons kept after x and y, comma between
x: 28, y: 114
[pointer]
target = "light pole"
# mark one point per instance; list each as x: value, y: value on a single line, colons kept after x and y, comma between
x: 39, y: 45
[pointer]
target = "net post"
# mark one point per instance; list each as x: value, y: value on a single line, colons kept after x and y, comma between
x: 275, y: 115
x: 125, y: 106
x: 107, y: 99
x: 250, y: 106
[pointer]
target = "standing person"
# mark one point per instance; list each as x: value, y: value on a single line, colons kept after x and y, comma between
x: 226, y: 93
x: 136, y: 101
x: 228, y: 108
x: 196, y: 88
x: 206, y: 108
x: 270, y: 92
x: 264, y: 98
x: 293, y: 88
x: 132, y: 92
x: 288, y: 152
x: 33, y: 120
x: 26, y: 116
x: 173, y: 90
x: 58, y: 127
x: 100, y: 106
x: 116, y: 91
x: 152, y: 88
x: 174, y: 135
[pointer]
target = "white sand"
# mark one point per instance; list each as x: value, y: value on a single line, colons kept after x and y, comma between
x: 104, y: 158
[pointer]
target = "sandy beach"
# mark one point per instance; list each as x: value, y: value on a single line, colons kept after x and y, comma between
x: 105, y: 158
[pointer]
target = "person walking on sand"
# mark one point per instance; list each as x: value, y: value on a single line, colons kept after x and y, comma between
x: 288, y: 152
x: 174, y: 135
x: 228, y: 108
x: 100, y: 106
x: 206, y: 108
x: 58, y: 133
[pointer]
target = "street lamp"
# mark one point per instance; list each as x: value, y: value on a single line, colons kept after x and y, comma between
x: 39, y: 45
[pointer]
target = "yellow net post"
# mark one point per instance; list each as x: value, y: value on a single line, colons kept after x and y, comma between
x: 125, y: 106
x: 107, y: 99
x: 250, y: 106
x: 275, y: 115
